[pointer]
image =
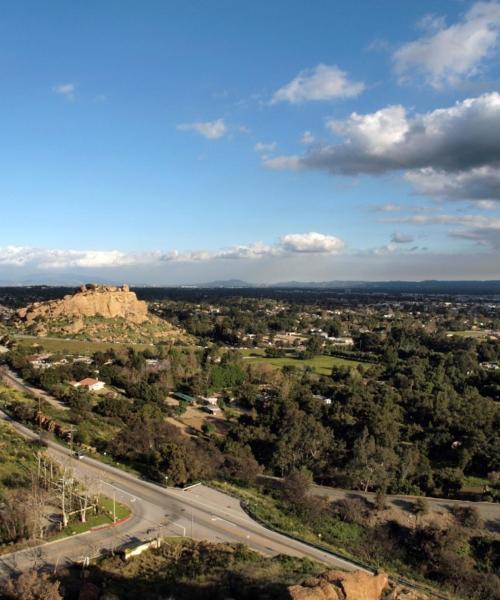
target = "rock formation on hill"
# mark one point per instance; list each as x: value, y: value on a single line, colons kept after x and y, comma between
x: 96, y: 312
x: 357, y: 585
x: 90, y: 301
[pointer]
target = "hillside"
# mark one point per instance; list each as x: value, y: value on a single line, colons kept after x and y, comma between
x: 96, y: 312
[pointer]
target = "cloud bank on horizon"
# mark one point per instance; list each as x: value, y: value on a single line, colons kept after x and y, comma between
x: 380, y: 154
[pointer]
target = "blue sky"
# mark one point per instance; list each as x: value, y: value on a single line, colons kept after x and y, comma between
x: 176, y: 142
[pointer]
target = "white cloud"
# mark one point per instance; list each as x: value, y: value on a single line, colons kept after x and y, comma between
x: 462, y: 140
x: 376, y: 132
x: 262, y: 147
x: 212, y: 130
x: 65, y: 89
x: 307, y: 138
x: 312, y: 242
x: 448, y: 55
x: 49, y: 258
x: 324, y: 82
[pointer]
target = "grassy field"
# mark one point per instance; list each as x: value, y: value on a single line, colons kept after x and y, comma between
x: 105, y: 517
x: 83, y: 347
x: 472, y: 333
x: 17, y: 458
x: 72, y: 346
x: 322, y: 364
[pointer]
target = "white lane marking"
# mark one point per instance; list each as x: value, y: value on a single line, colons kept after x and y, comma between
x: 180, y: 527
x: 132, y: 497
x: 214, y: 518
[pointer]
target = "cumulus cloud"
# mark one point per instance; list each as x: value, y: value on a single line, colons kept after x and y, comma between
x: 49, y: 258
x: 461, y: 142
x: 312, y: 242
x: 401, y: 238
x: 377, y: 132
x: 66, y: 89
x: 263, y: 147
x: 323, y: 82
x: 448, y: 55
x: 44, y: 258
x: 212, y: 130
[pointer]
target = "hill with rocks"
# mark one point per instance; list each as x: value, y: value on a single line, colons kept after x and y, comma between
x: 356, y: 585
x: 96, y: 312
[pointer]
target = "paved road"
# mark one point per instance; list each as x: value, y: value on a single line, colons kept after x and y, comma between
x: 488, y: 511
x: 11, y: 378
x: 201, y: 513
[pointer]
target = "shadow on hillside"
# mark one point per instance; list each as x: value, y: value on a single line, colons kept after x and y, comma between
x: 168, y: 583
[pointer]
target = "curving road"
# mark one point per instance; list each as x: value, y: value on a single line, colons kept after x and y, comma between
x: 199, y: 512
x: 13, y: 380
x: 489, y: 512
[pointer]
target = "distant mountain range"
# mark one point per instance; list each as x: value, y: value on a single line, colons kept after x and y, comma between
x: 416, y: 287
x: 429, y: 286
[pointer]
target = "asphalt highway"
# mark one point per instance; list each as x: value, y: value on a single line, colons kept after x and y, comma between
x: 199, y: 512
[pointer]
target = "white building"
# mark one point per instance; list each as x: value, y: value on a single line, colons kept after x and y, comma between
x: 91, y: 384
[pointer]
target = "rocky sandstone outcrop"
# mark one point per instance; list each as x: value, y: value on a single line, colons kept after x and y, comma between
x: 339, y: 585
x: 89, y: 301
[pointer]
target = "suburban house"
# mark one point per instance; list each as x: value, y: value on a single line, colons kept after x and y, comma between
x: 91, y: 384
x: 212, y: 400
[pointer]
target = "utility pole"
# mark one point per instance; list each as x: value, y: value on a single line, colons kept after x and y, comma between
x: 39, y: 418
x: 63, y: 504
x: 192, y: 518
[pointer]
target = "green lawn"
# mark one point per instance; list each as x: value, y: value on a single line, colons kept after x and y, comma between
x: 105, y: 517
x: 322, y: 364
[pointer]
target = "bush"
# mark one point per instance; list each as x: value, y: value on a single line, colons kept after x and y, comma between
x: 467, y: 516
x: 351, y: 510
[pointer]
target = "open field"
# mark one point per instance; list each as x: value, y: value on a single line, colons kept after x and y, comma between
x: 72, y: 346
x: 195, y: 417
x: 472, y: 333
x: 322, y: 364
x: 17, y: 458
